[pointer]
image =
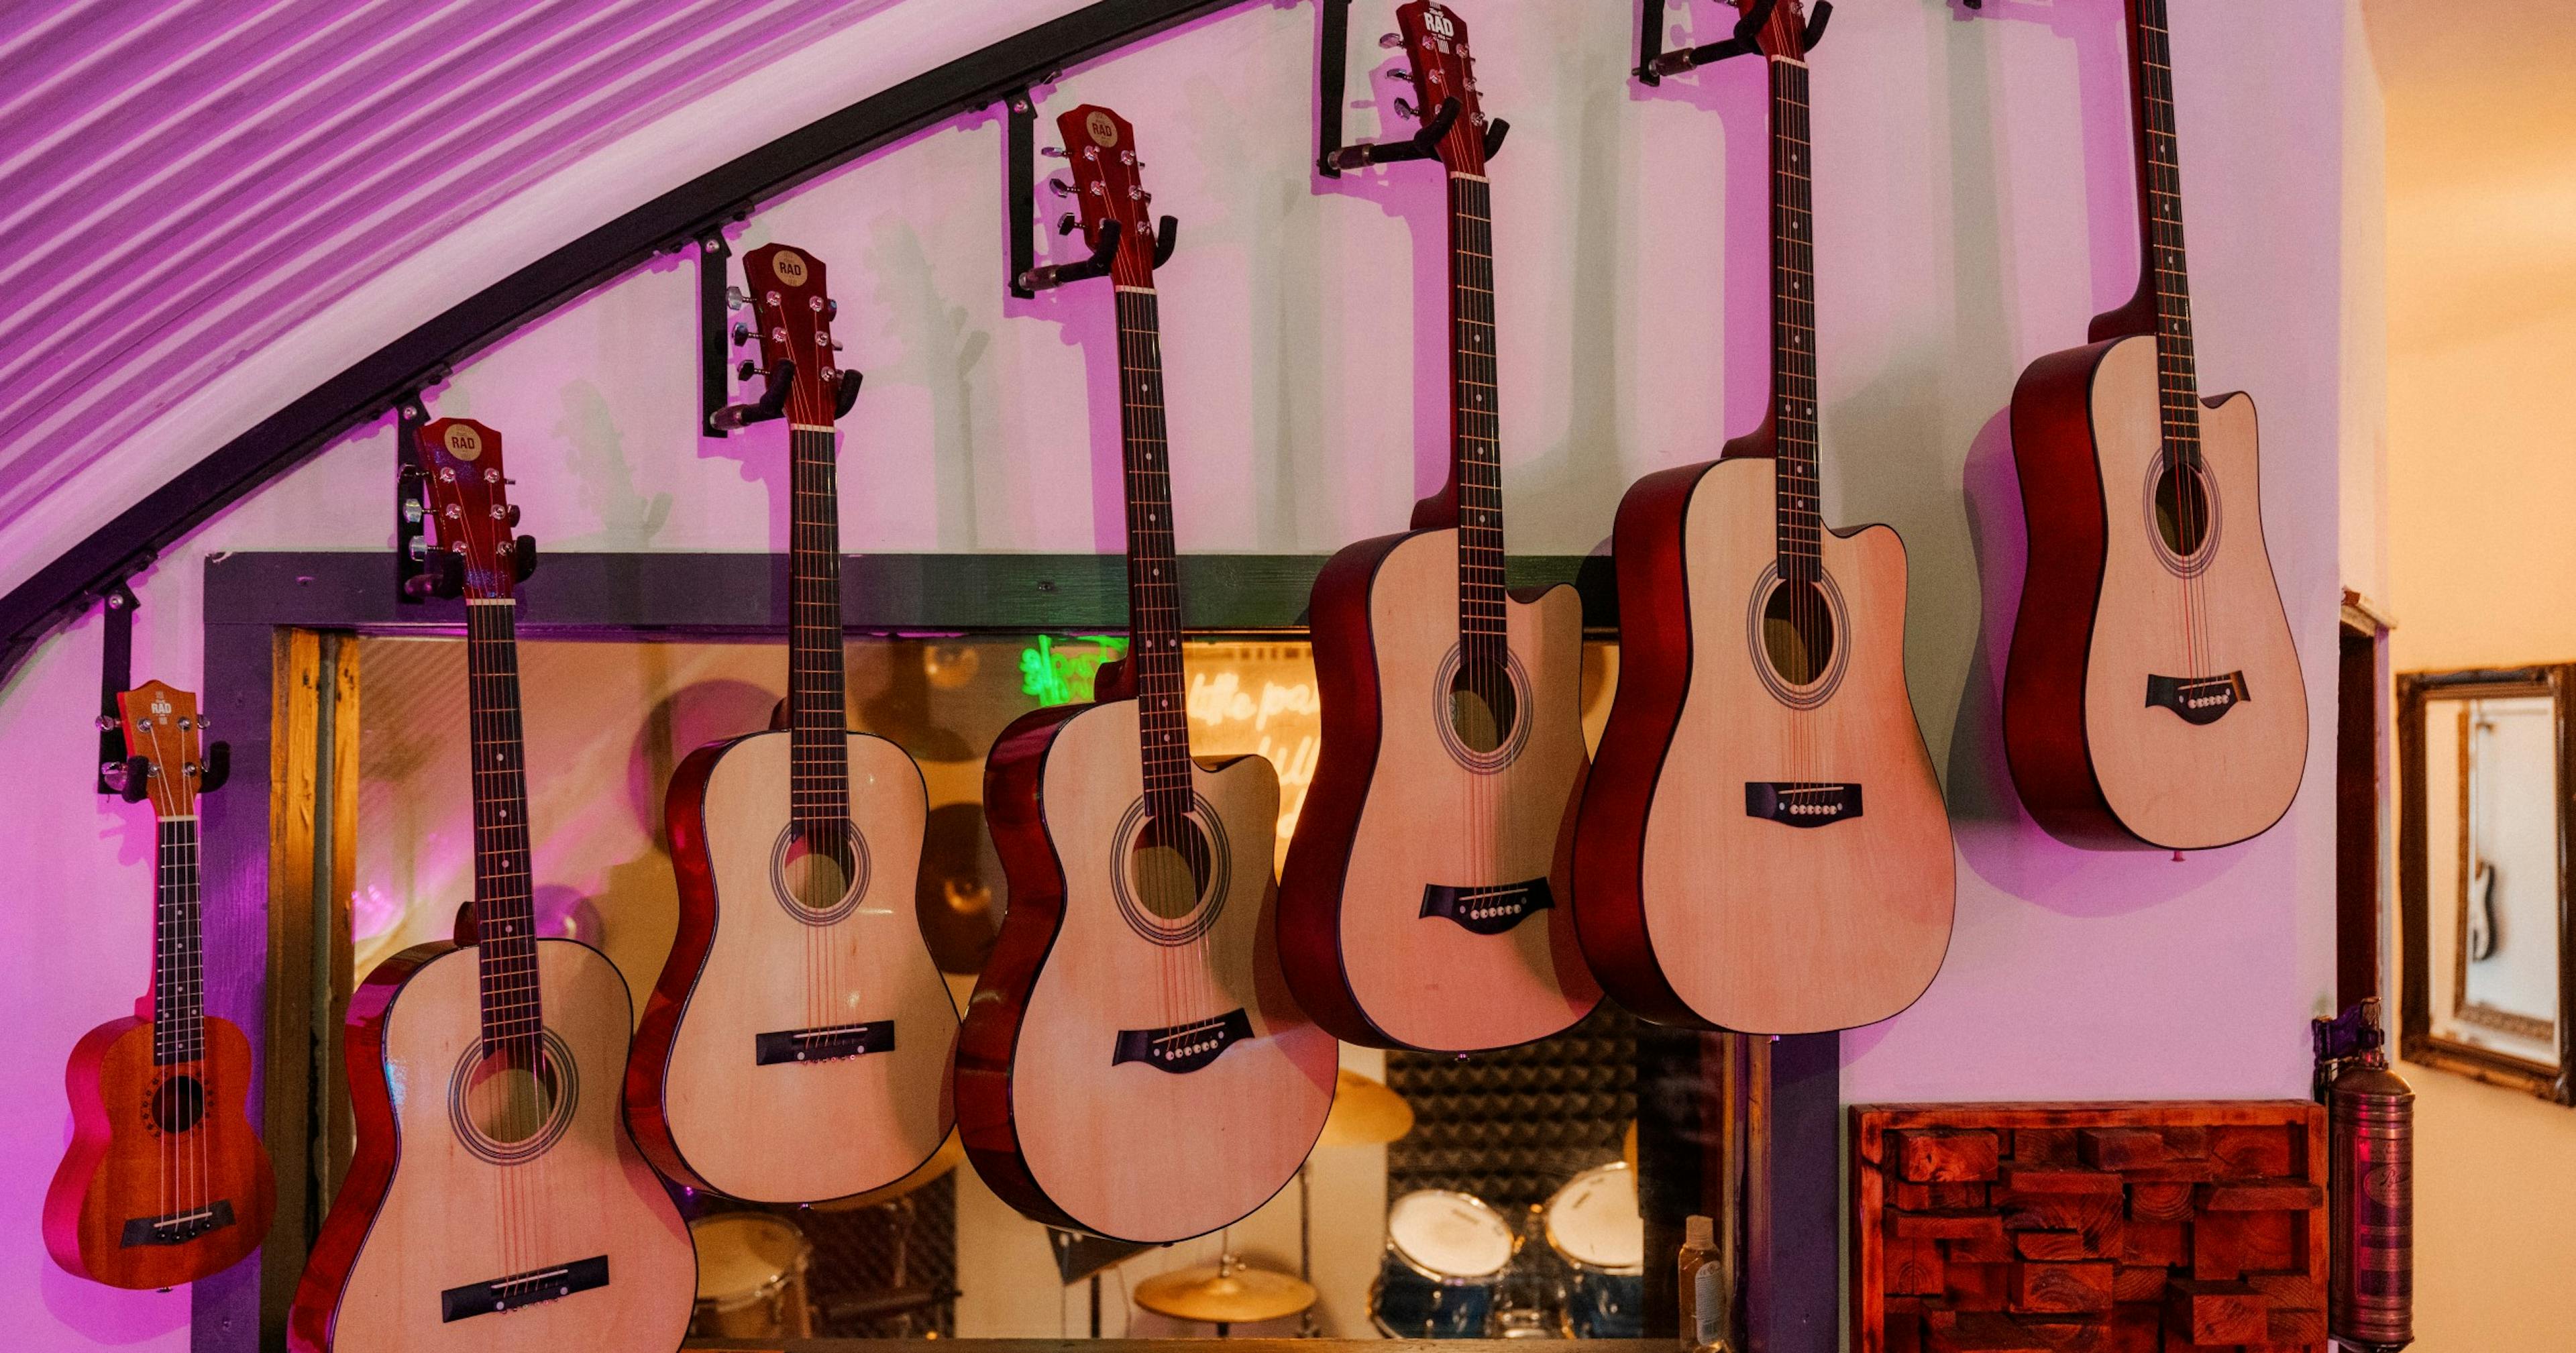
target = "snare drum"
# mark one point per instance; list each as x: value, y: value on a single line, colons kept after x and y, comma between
x: 751, y: 1277
x: 1445, y: 1257
x: 1593, y: 1225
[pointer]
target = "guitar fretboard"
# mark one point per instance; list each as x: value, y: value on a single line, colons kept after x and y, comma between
x: 2160, y: 217
x: 505, y: 916
x: 1153, y: 569
x: 178, y: 960
x: 1793, y: 325
x: 817, y: 703
x: 1475, y: 423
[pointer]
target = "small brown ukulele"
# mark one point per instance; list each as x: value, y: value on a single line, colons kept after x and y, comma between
x: 1131, y: 1065
x: 1421, y: 905
x: 2153, y: 699
x: 495, y: 1203
x: 1763, y: 846
x: 166, y: 1181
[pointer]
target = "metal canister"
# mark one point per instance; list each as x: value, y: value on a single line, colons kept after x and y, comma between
x: 2370, y: 1115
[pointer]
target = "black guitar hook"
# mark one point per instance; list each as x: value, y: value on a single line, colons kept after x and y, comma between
x: 1103, y: 253
x: 1745, y: 42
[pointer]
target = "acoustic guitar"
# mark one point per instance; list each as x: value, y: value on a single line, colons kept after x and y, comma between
x: 2153, y: 699
x: 797, y: 1045
x: 166, y: 1181
x: 1421, y: 904
x: 1131, y: 1065
x: 494, y: 1203
x: 1762, y: 845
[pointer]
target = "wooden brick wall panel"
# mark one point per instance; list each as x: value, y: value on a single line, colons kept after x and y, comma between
x: 2103, y: 1234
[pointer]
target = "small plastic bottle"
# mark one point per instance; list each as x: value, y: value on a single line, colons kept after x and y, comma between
x: 1702, y: 1289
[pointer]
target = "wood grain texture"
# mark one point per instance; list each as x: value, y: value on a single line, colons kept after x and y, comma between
x: 2102, y: 611
x: 1124, y: 1149
x: 1398, y: 812
x: 422, y: 1214
x: 1757, y: 925
x: 122, y: 1166
x: 742, y: 965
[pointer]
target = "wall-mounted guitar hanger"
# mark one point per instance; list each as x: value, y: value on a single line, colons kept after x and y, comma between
x: 1332, y: 76
x: 716, y: 298
x: 1654, y: 63
x: 120, y: 772
x: 1028, y: 276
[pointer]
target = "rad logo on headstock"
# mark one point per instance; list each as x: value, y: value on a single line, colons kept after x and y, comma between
x: 788, y: 266
x: 160, y: 706
x: 463, y: 442
x: 1103, y: 128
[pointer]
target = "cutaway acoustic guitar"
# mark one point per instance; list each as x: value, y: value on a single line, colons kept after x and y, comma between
x: 166, y: 1181
x: 2153, y: 699
x: 495, y: 1203
x: 1763, y: 845
x: 1131, y: 1064
x: 797, y: 1046
x: 1422, y: 901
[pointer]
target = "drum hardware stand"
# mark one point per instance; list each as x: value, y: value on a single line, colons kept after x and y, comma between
x: 1332, y: 76
x: 2370, y: 1134
x: 715, y: 297
x: 1654, y: 63
x: 1028, y: 276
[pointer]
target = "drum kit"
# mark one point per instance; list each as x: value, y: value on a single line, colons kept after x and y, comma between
x: 1455, y: 1269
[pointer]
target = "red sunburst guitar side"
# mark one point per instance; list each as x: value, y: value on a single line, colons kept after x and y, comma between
x: 166, y: 1181
x: 2154, y: 698
x: 1423, y: 901
x: 1762, y: 844
x: 1131, y: 1064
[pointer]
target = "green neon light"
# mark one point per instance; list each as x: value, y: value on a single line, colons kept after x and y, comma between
x: 1058, y: 677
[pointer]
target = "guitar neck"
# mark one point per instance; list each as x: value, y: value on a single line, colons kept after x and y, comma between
x: 817, y: 704
x: 504, y: 911
x: 178, y: 963
x: 1153, y: 568
x: 1793, y: 325
x: 2166, y: 280
x: 1475, y: 424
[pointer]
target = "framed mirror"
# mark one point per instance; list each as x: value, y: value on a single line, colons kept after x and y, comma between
x: 2486, y: 815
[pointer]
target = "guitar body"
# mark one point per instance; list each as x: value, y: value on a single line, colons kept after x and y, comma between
x: 429, y: 1214
x: 166, y: 1181
x: 1126, y: 1086
x: 2104, y: 749
x: 1710, y: 890
x: 714, y: 1105
x: 1400, y: 807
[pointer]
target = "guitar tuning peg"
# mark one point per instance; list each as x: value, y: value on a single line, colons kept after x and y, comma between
x: 1052, y: 152
x: 1403, y: 109
x: 1390, y: 41
x: 736, y: 298
x: 1064, y: 224
x: 105, y: 723
x: 1399, y: 75
x: 741, y: 334
x: 412, y: 511
x: 1059, y: 187
x: 746, y: 371
x: 419, y: 548
x: 831, y: 309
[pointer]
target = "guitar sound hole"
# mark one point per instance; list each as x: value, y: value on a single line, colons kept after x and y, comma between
x: 508, y: 1101
x: 1482, y: 705
x: 178, y: 1103
x: 2182, y: 509
x: 1168, y: 867
x: 1798, y: 632
x: 816, y: 872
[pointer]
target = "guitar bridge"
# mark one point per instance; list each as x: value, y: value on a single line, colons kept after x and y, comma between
x: 1801, y: 803
x: 177, y: 1228
x: 2197, y: 700
x: 1488, y: 910
x: 523, y: 1289
x: 827, y: 1044
x: 1183, y: 1047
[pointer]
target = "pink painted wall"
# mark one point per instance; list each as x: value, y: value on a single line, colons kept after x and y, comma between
x: 1972, y: 212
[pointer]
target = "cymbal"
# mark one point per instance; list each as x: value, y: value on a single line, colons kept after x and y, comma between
x: 1226, y: 1292
x: 1365, y: 1113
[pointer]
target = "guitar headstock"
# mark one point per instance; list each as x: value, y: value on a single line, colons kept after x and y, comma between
x: 792, y: 313
x: 161, y: 738
x: 467, y: 498
x: 1783, y: 32
x: 1435, y: 42
x: 1108, y: 181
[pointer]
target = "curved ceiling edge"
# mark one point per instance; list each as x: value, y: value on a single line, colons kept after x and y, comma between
x: 135, y: 537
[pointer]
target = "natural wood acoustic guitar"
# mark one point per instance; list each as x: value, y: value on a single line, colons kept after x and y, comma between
x: 1422, y: 901
x: 1131, y: 1064
x: 2153, y: 699
x: 495, y: 1203
x: 1763, y: 845
x: 797, y: 1047
x: 166, y: 1181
